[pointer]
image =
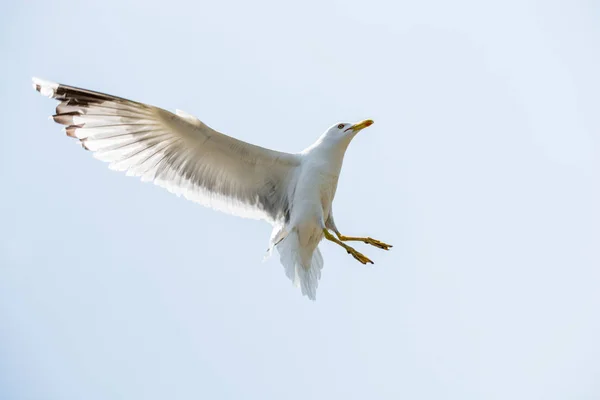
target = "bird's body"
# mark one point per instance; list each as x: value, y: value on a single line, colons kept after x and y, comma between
x: 294, y: 192
x: 314, y: 189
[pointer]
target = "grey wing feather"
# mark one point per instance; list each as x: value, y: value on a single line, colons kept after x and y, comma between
x: 177, y: 151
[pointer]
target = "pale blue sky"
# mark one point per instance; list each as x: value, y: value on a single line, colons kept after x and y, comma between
x: 482, y: 169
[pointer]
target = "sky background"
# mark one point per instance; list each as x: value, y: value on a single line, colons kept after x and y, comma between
x: 482, y: 169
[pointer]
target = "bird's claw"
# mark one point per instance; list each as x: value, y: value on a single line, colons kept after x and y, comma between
x: 359, y: 257
x: 377, y: 243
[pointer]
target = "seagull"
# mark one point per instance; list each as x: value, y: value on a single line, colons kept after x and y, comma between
x: 177, y: 151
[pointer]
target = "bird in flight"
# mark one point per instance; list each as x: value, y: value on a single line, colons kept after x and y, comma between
x: 177, y: 151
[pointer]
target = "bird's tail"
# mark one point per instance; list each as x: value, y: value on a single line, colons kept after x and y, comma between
x: 302, y: 266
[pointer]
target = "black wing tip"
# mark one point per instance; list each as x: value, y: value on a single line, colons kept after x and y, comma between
x: 65, y: 118
x: 70, y: 130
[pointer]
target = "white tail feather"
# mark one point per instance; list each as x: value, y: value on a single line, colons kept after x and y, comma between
x: 302, y: 266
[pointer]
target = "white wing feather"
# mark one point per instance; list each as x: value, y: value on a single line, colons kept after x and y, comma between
x: 177, y: 152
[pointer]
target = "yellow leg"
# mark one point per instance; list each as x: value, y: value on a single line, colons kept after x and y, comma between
x: 367, y: 240
x: 360, y: 257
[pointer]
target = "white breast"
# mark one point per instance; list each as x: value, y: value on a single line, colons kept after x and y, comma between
x: 316, y: 185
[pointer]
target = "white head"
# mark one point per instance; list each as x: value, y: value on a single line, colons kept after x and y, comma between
x: 340, y: 135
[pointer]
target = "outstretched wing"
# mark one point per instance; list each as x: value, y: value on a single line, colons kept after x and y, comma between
x: 177, y: 152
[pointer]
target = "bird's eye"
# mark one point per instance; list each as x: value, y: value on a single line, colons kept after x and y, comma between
x: 340, y: 126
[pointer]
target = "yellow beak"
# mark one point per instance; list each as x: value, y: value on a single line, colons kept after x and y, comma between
x: 361, y: 125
